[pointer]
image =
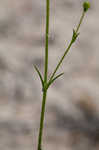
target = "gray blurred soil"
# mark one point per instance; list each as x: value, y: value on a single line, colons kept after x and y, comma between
x: 72, y: 110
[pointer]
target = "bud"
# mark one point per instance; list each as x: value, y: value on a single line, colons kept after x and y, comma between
x: 86, y: 6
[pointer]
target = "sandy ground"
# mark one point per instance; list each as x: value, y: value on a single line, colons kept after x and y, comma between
x: 72, y: 110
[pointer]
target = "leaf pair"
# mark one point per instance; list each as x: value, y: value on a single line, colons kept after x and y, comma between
x: 50, y: 80
x: 75, y: 35
x: 53, y: 79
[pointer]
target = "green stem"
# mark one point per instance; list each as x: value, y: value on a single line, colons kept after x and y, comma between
x: 42, y: 120
x: 46, y: 41
x: 81, y: 19
x: 45, y: 78
x: 68, y: 48
x: 61, y: 60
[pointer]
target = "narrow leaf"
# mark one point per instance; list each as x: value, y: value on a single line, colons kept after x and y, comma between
x: 50, y: 82
x: 40, y: 76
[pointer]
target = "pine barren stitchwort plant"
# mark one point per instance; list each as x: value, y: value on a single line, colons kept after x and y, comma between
x: 44, y: 80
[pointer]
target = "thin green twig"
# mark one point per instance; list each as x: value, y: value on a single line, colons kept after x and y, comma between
x: 69, y: 46
x: 81, y: 19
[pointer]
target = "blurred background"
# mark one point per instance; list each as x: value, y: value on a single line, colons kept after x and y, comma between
x: 72, y: 110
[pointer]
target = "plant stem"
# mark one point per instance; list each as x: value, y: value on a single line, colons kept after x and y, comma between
x: 42, y: 120
x: 81, y: 19
x: 45, y: 78
x: 45, y: 83
x: 46, y: 41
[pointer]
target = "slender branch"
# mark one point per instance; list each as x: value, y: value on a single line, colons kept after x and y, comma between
x: 61, y: 60
x: 81, y: 19
x: 69, y: 46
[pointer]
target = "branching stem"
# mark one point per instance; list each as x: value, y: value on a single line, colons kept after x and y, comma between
x: 45, y: 82
x: 45, y: 77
